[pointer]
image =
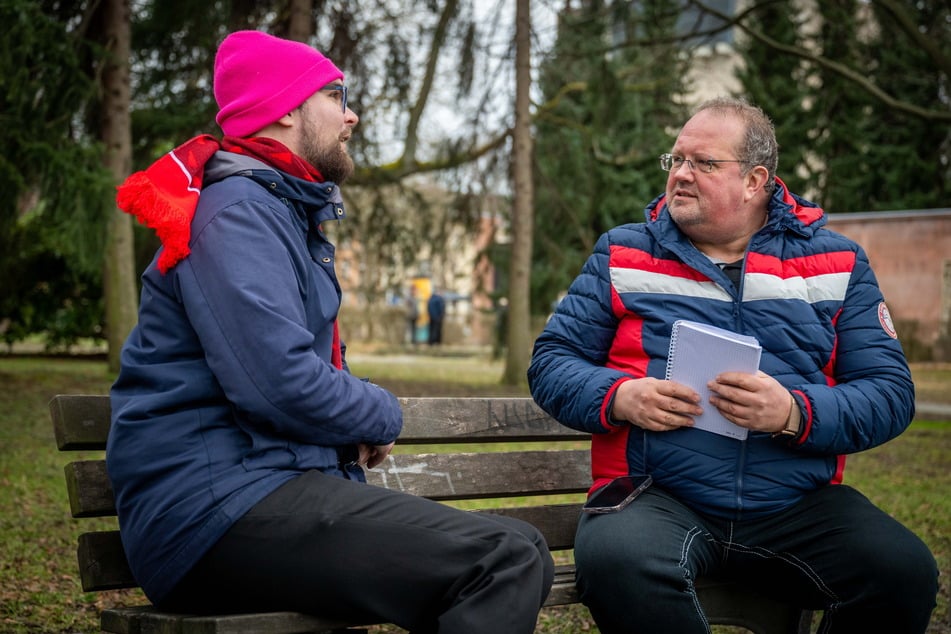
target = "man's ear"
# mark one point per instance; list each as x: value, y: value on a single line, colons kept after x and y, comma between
x: 279, y: 129
x: 288, y: 120
x: 756, y: 180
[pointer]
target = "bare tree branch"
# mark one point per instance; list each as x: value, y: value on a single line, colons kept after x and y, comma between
x: 411, y: 139
x: 563, y: 91
x: 928, y: 45
x: 401, y: 168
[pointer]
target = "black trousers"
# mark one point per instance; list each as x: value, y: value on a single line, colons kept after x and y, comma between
x: 324, y: 545
x: 435, y: 331
x: 833, y: 551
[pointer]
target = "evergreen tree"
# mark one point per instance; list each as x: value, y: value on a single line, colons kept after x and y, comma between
x: 610, y: 98
x: 841, y: 145
x: 54, y: 191
x: 51, y: 177
x: 907, y: 156
x: 844, y: 116
x: 779, y: 85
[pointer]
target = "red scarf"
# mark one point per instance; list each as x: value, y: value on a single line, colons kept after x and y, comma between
x: 165, y: 195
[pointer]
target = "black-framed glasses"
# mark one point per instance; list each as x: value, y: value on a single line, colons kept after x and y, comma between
x: 343, y: 94
x: 674, y: 162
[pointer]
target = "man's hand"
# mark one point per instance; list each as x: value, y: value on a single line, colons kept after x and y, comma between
x: 372, y: 455
x: 655, y: 405
x: 755, y: 401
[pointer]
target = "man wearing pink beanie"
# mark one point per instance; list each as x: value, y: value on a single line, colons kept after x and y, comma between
x: 239, y: 436
x: 259, y: 78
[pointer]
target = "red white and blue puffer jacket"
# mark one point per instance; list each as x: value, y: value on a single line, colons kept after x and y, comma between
x: 806, y: 293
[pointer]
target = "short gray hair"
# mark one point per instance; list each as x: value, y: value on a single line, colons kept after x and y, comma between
x: 759, y: 145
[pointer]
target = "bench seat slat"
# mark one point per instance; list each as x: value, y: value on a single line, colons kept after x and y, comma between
x: 146, y: 620
x: 259, y: 623
x: 719, y: 597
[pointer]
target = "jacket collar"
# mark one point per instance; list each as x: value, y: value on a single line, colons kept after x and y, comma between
x: 320, y: 202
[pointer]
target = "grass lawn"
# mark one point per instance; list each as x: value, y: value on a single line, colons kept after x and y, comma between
x: 39, y: 588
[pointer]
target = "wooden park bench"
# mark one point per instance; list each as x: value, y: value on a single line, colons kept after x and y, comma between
x: 549, y: 460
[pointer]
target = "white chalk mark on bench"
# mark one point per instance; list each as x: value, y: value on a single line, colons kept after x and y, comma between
x: 416, y: 468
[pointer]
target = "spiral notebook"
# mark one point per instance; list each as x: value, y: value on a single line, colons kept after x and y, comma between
x: 699, y: 352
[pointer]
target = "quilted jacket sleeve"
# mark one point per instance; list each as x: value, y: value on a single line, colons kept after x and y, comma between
x: 872, y: 399
x: 246, y: 291
x: 567, y: 376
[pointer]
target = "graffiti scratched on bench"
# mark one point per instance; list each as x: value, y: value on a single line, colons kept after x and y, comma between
x: 477, y: 419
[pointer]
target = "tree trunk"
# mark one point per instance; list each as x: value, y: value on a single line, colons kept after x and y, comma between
x: 300, y: 21
x: 119, y: 287
x: 518, y: 331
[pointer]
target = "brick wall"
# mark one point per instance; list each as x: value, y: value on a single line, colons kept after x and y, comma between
x: 910, y: 252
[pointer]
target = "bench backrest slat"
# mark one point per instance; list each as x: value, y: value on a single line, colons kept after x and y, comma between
x: 456, y: 476
x: 89, y: 489
x: 102, y: 562
x: 441, y: 420
x: 103, y: 566
x: 81, y: 421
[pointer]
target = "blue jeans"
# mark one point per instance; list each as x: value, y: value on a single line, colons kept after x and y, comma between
x: 833, y: 551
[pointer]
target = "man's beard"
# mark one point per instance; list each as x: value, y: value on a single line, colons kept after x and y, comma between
x: 333, y: 162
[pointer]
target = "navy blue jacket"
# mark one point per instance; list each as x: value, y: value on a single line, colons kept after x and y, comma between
x: 806, y: 293
x: 436, y: 306
x: 226, y: 389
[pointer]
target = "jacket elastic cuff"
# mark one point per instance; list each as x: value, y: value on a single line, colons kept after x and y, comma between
x: 607, y: 421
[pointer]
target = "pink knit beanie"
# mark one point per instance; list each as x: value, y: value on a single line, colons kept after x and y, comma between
x: 259, y: 78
